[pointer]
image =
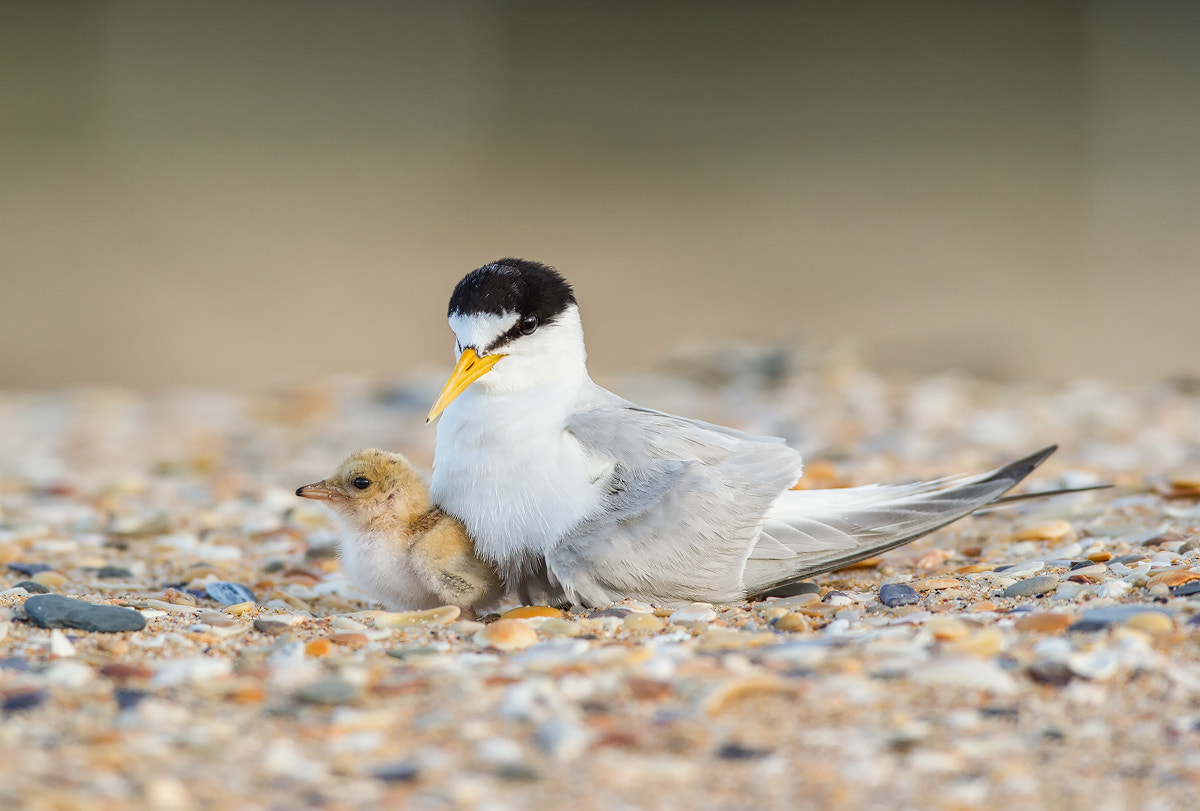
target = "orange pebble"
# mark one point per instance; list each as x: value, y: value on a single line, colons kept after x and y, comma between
x: 318, y: 647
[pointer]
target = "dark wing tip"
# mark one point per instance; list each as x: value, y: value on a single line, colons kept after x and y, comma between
x: 1018, y: 470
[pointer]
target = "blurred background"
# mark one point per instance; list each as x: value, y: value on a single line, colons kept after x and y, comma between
x: 251, y: 194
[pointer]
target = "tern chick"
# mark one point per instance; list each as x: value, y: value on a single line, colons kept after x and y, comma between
x: 395, y: 544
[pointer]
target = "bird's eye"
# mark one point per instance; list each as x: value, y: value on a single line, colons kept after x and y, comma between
x: 529, y: 324
x: 362, y: 482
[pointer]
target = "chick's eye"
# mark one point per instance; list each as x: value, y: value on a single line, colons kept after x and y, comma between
x: 529, y: 324
x: 362, y: 482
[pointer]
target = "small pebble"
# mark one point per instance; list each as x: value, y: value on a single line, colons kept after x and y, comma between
x: 1097, y: 619
x: 531, y: 611
x: 60, y: 646
x: 30, y: 569
x: 318, y: 647
x: 22, y: 699
x: 896, y: 594
x: 986, y: 642
x: 1023, y: 568
x: 615, y: 611
x: 56, y: 611
x: 126, y: 671
x: 114, y: 573
x: 563, y: 627
x: 506, y: 635
x: 1032, y: 586
x: 1044, y: 622
x: 348, y: 640
x: 128, y: 699
x: 217, y: 619
x: 696, y: 612
x: 1152, y: 622
x: 50, y: 579
x: 946, y: 629
x: 402, y: 771
x: 31, y: 587
x: 642, y: 622
x: 347, y: 624
x: 443, y: 615
x: 1050, y: 671
x: 331, y: 690
x: 936, y: 584
x: 792, y: 622
x: 271, y: 627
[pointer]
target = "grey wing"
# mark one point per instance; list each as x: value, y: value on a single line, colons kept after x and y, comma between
x: 683, y: 507
x: 808, y: 532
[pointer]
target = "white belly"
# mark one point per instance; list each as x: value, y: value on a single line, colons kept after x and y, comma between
x: 378, y: 568
x: 519, y: 484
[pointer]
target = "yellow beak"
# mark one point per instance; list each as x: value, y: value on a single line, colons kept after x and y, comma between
x: 470, y: 368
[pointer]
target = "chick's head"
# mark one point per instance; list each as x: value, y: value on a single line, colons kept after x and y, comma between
x: 372, y: 490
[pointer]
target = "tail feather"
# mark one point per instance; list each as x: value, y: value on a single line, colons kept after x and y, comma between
x: 808, y: 532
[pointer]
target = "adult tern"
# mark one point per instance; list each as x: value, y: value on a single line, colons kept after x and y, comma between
x: 580, y: 496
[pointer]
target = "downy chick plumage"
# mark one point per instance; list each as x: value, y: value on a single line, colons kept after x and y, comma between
x: 395, y: 544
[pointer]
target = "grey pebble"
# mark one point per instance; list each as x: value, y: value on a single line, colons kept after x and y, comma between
x: 609, y: 612
x: 1097, y: 619
x: 23, y: 700
x: 1050, y: 671
x: 329, y: 691
x: 1187, y: 589
x: 56, y: 611
x: 400, y: 772
x: 128, y: 699
x: 31, y: 587
x: 114, y: 573
x: 30, y: 569
x: 736, y: 751
x: 896, y: 594
x: 271, y: 627
x: 227, y: 593
x: 1032, y: 586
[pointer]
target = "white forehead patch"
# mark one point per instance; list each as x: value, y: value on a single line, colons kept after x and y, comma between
x: 480, y: 330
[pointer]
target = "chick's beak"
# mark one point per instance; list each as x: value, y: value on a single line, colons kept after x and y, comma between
x: 470, y: 368
x: 319, y: 490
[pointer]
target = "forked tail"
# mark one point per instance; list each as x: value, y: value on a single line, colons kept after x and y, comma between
x: 808, y: 532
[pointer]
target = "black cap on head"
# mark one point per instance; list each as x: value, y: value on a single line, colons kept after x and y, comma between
x: 513, y: 286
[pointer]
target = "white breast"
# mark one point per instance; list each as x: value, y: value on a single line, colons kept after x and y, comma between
x: 382, y: 570
x: 507, y: 469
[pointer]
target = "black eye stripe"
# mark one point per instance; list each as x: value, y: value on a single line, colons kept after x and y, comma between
x: 514, y: 332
